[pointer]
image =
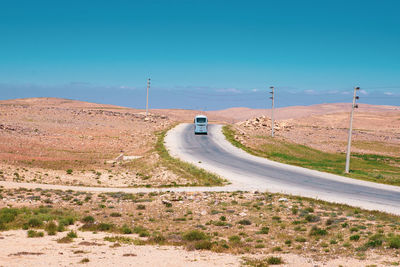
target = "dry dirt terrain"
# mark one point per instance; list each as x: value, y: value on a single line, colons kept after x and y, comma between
x: 376, y: 128
x: 58, y: 141
x: 190, y: 229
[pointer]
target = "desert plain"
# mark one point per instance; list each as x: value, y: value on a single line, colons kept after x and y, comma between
x: 66, y: 142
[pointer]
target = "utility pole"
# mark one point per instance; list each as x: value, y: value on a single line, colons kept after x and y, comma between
x: 147, y: 98
x: 272, y: 111
x: 355, y: 97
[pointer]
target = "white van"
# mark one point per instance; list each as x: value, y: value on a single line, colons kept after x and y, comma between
x: 200, y: 124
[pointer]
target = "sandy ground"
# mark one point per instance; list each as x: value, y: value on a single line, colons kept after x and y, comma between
x: 40, y: 138
x: 18, y: 250
x: 375, y: 131
x: 103, y: 145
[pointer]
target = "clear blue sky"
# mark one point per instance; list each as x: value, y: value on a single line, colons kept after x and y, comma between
x: 201, y: 54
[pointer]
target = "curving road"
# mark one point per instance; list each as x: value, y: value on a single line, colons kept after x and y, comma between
x: 246, y: 172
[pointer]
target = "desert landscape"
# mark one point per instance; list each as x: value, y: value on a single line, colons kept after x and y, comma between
x: 66, y: 142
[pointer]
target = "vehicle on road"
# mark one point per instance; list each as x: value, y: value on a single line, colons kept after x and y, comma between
x: 200, y: 124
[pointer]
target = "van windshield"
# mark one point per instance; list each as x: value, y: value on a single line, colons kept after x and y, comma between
x: 201, y: 120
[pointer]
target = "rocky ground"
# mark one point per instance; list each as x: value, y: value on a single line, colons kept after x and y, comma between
x: 58, y: 141
x: 77, y: 143
x: 178, y: 229
x: 376, y: 132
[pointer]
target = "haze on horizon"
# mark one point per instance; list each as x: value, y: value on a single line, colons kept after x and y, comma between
x: 201, y: 54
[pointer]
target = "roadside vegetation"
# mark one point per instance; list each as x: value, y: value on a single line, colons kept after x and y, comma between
x: 194, y: 175
x: 375, y: 168
x: 197, y: 175
x: 229, y: 222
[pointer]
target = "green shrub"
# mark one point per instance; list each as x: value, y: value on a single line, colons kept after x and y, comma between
x: 51, y: 228
x: 275, y: 249
x: 105, y: 226
x: 35, y: 222
x: 88, y: 219
x: 64, y: 240
x: 203, y: 244
x: 33, y: 233
x: 312, y: 218
x: 140, y: 207
x: 274, y: 260
x: 69, y: 171
x: 394, y: 241
x: 315, y: 231
x: 244, y: 222
x: 141, y: 231
x: 8, y: 215
x: 72, y: 234
x: 234, y: 239
x: 264, y: 230
x: 126, y: 230
x: 373, y: 242
x: 300, y: 239
x: 194, y: 235
x: 309, y: 209
x: 67, y: 221
x: 115, y: 214
x: 355, y: 237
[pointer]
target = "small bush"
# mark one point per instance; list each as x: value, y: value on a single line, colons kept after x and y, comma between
x: 234, y: 239
x: 263, y: 230
x: 244, y: 222
x: 203, y: 244
x: 355, y: 237
x: 312, y: 218
x: 35, y: 222
x: 33, y: 233
x: 64, y: 240
x: 394, y: 241
x: 274, y: 249
x: 67, y: 221
x: 373, y: 242
x: 126, y: 230
x: 88, y: 219
x: 140, y: 207
x: 115, y: 214
x: 315, y: 231
x: 8, y: 215
x: 105, y: 227
x: 300, y: 239
x: 72, y: 234
x: 84, y: 260
x: 51, y: 228
x: 194, y: 235
x: 69, y: 171
x: 141, y: 231
x: 274, y: 260
x: 354, y: 229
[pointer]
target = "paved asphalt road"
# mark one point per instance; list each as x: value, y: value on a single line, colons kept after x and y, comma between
x: 211, y: 152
